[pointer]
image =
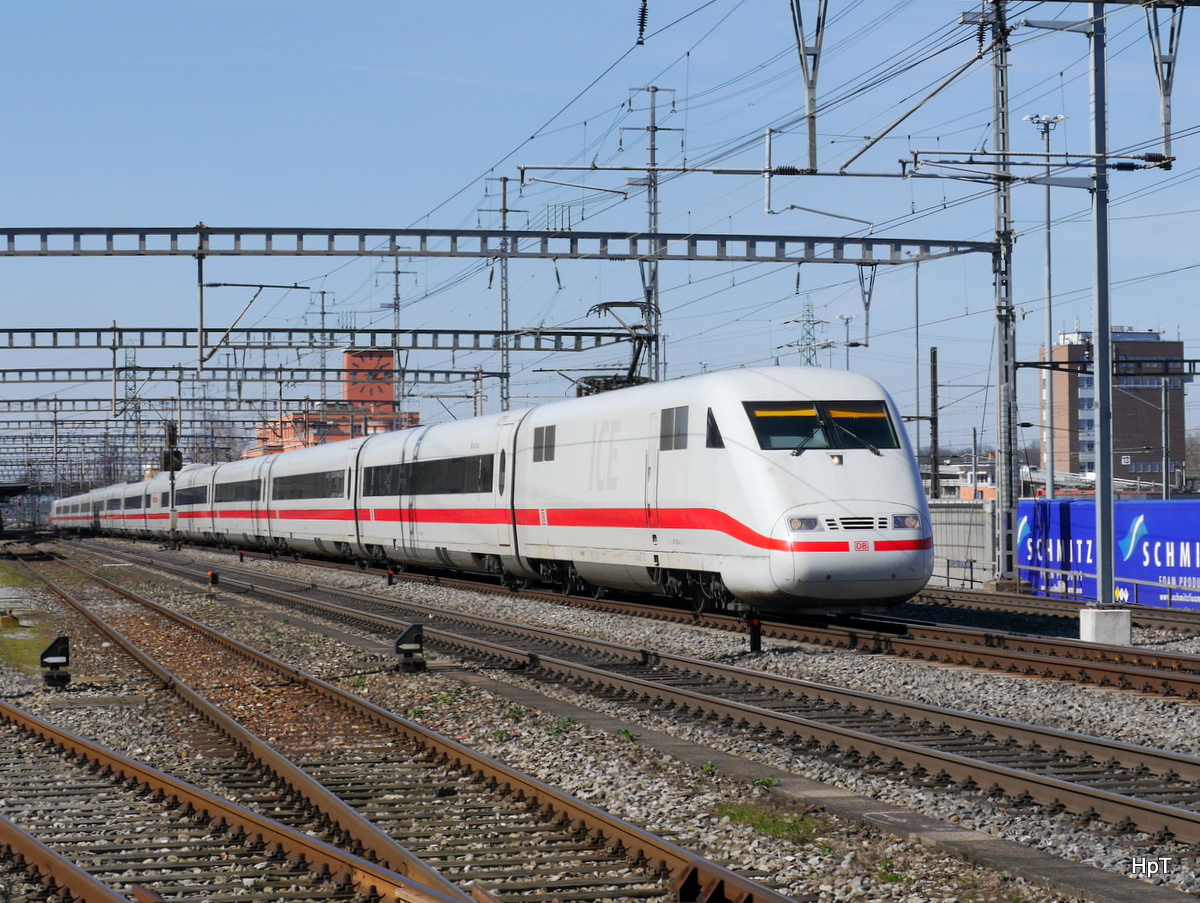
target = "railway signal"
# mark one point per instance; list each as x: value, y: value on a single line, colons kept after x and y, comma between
x: 410, y: 646
x: 55, y: 660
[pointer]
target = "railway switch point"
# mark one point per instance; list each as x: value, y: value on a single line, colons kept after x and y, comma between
x: 1111, y: 626
x: 410, y: 646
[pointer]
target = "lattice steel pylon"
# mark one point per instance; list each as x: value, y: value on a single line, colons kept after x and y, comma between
x: 131, y: 420
x: 808, y: 336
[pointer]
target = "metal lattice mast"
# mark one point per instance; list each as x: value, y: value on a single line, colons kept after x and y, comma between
x: 808, y: 336
x: 650, y: 284
x: 505, y: 387
x: 1006, y: 351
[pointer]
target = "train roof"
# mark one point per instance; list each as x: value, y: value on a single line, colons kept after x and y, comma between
x: 747, y: 383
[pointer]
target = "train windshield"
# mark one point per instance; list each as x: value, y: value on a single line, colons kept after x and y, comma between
x: 796, y: 426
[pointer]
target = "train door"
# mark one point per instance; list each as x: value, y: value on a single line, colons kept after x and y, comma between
x: 256, y: 527
x: 651, y: 485
x: 266, y: 511
x: 354, y: 497
x: 505, y: 464
x: 410, y: 538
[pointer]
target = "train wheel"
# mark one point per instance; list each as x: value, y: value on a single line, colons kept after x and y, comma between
x: 598, y: 592
x: 711, y: 593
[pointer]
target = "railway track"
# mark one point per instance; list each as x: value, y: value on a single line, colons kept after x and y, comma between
x: 1029, y: 655
x: 1181, y: 620
x: 94, y: 826
x: 1127, y: 786
x: 1021, y: 654
x: 480, y: 825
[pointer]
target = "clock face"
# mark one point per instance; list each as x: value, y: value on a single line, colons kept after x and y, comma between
x: 369, y: 378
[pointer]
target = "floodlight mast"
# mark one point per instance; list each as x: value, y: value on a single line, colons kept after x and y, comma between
x: 1045, y: 125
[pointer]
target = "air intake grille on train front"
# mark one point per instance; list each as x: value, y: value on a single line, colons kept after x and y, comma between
x: 856, y: 523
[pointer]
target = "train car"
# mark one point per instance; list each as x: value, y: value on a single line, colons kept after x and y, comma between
x: 134, y: 502
x: 193, y: 492
x: 440, y: 496
x: 158, y: 506
x: 72, y: 514
x: 108, y: 505
x: 780, y: 488
x: 239, y: 503
x: 310, y: 506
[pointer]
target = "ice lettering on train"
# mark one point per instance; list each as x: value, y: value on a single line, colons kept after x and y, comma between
x: 604, y: 456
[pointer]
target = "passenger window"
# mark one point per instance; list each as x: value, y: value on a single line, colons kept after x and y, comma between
x: 712, y: 436
x: 673, y: 427
x: 543, y: 443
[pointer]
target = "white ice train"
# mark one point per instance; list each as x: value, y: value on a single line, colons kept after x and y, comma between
x: 787, y: 489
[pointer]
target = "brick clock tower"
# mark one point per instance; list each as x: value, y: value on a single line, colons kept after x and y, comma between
x: 369, y: 382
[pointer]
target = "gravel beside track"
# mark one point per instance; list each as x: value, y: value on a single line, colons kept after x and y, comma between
x: 832, y: 859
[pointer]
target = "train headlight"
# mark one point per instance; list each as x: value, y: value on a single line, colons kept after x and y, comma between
x: 804, y: 524
x: 906, y: 522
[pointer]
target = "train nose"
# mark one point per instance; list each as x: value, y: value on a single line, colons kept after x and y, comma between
x: 844, y: 556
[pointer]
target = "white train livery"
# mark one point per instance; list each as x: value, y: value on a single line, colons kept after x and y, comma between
x: 785, y: 489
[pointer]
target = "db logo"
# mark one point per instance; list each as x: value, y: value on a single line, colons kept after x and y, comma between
x: 860, y: 546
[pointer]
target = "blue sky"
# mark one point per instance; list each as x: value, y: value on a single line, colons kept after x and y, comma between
x: 403, y: 114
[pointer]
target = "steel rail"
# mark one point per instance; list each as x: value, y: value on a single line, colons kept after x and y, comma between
x: 54, y: 867
x: 1088, y: 663
x: 967, y: 772
x: 346, y: 867
x: 1117, y: 667
x: 694, y: 878
x: 1020, y: 662
x: 1127, y: 754
x: 375, y: 843
x: 1143, y: 615
x: 1060, y: 647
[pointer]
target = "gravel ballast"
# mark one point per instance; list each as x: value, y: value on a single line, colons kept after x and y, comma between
x: 697, y: 807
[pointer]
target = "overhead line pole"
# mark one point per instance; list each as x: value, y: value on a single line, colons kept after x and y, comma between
x: 1101, y: 312
x: 505, y: 387
x: 1006, y: 383
x: 810, y: 63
